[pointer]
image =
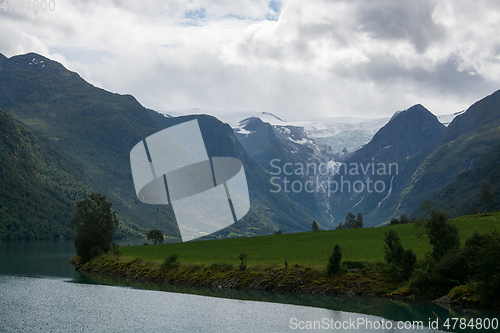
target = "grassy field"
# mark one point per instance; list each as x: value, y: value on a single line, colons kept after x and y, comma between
x: 308, y: 248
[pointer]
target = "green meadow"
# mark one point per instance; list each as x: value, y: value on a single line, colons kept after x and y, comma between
x: 307, y: 248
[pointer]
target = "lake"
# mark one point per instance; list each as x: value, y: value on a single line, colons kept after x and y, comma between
x: 40, y: 292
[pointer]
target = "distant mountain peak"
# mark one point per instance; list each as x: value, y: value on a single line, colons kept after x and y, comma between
x: 405, y: 135
x: 414, y: 108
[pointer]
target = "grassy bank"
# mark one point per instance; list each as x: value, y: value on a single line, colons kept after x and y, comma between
x: 215, y: 264
x: 305, y: 249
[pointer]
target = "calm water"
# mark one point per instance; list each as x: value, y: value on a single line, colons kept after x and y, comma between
x: 40, y: 292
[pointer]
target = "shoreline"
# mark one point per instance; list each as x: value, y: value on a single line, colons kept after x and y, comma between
x: 297, y: 280
x: 300, y: 280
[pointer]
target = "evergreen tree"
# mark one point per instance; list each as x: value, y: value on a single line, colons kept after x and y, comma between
x: 333, y: 266
x: 314, y: 226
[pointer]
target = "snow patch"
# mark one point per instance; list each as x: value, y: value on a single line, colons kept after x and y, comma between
x: 302, y: 141
x: 243, y: 131
x: 358, y: 202
x: 388, y: 194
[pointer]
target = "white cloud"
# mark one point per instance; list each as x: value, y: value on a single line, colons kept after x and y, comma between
x: 308, y: 59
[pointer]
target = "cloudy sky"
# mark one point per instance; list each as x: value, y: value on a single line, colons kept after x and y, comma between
x: 297, y: 59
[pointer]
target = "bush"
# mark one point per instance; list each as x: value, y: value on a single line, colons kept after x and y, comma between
x: 333, y: 266
x: 426, y: 282
x: 220, y: 267
x: 351, y: 264
x: 243, y: 264
x: 486, y: 247
x: 454, y: 268
x: 394, y: 221
x: 170, y: 263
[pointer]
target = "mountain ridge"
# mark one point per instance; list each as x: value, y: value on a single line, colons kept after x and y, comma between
x: 97, y: 129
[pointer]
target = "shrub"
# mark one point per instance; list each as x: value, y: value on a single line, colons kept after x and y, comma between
x: 350, y: 264
x: 220, y: 267
x: 425, y: 281
x: 243, y: 264
x: 394, y: 221
x: 486, y: 247
x: 170, y: 263
x: 454, y: 268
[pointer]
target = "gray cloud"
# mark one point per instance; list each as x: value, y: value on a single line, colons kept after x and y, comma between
x: 410, y: 21
x: 319, y: 58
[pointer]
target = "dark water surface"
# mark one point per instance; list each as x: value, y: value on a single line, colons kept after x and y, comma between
x: 40, y: 292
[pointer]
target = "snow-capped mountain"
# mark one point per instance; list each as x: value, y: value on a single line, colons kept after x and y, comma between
x: 337, y: 136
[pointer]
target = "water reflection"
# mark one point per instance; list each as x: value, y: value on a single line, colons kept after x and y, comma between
x: 403, y: 310
x: 48, y: 259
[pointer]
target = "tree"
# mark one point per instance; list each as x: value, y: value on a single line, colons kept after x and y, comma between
x: 359, y: 221
x: 279, y: 232
x: 443, y: 235
x: 425, y: 208
x: 486, y: 197
x: 401, y: 262
x: 333, y: 266
x: 350, y: 221
x: 484, y: 251
x: 95, y: 225
x: 314, y: 226
x: 156, y: 236
x: 404, y: 219
x: 394, y: 249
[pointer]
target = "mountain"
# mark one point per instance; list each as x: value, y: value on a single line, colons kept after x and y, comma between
x: 269, y: 210
x: 406, y: 134
x: 96, y: 129
x: 385, y: 164
x: 272, y: 147
x: 463, y: 195
x: 39, y: 187
x: 471, y: 136
x: 444, y: 165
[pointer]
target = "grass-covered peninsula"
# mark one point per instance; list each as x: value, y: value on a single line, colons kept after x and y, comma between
x: 296, y: 262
